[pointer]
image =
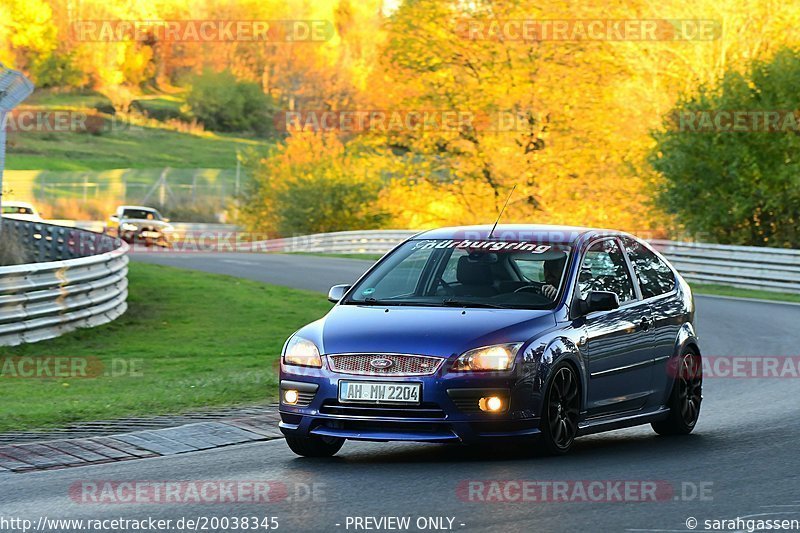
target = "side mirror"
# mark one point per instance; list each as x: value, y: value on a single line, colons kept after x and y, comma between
x: 337, y: 292
x: 115, y: 218
x: 598, y: 301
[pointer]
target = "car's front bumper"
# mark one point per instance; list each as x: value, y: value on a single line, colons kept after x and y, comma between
x: 448, y: 410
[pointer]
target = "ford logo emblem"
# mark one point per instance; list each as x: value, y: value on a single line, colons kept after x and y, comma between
x: 381, y: 363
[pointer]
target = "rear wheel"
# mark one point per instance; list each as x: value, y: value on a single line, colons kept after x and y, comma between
x: 559, y: 424
x: 686, y: 397
x: 315, y: 446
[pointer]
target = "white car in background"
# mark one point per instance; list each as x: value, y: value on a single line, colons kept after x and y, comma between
x: 140, y: 224
x: 20, y: 211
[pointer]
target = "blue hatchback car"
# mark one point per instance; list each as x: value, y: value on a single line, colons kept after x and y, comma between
x: 470, y: 333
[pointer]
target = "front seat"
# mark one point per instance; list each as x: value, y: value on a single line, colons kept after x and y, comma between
x: 474, y: 277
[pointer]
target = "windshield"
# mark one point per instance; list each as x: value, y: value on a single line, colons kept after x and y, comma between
x: 143, y: 214
x: 462, y: 273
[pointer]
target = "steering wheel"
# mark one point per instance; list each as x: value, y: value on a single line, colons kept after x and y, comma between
x: 537, y: 289
x: 446, y: 286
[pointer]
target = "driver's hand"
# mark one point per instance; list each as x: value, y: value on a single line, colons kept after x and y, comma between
x: 550, y: 291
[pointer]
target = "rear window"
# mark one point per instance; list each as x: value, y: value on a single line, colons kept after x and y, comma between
x: 655, y: 277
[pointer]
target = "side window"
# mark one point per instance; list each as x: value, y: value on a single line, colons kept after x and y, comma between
x: 655, y: 277
x: 604, y: 269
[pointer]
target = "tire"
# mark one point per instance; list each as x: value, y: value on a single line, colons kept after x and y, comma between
x: 561, y: 412
x: 314, y: 446
x: 685, y: 398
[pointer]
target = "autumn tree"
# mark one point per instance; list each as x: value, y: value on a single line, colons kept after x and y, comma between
x: 314, y: 183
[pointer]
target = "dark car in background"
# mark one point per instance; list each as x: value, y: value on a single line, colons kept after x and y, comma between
x: 471, y: 334
x: 140, y: 225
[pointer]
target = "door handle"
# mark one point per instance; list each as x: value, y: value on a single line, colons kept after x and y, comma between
x: 646, y: 323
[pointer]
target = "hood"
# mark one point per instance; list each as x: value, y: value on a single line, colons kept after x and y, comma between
x: 441, y: 331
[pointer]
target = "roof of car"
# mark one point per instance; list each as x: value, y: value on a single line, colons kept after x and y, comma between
x: 18, y: 204
x: 517, y: 232
x: 142, y: 207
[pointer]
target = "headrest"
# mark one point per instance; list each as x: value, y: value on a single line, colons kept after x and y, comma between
x: 473, y: 272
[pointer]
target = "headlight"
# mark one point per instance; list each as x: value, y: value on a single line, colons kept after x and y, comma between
x: 302, y: 352
x: 129, y: 227
x: 488, y: 358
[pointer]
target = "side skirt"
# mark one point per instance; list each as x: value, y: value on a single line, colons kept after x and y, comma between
x: 619, y: 421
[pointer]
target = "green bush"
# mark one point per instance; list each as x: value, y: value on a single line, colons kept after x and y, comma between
x: 736, y: 187
x: 222, y: 103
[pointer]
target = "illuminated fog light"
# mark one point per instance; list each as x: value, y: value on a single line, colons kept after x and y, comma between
x: 491, y: 404
x: 290, y: 396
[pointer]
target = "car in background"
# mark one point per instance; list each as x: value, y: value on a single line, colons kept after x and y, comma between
x: 476, y: 334
x: 137, y: 224
x: 20, y: 211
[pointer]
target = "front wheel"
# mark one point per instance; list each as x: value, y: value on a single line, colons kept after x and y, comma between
x: 315, y: 446
x: 686, y: 397
x: 561, y: 411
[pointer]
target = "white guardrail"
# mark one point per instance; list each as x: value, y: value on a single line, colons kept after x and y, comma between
x: 79, y: 280
x: 750, y: 267
x: 747, y: 267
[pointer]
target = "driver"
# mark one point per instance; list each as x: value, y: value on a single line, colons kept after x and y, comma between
x: 552, y: 277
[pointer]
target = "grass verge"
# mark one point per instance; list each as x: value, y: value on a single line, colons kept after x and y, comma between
x: 722, y: 290
x: 363, y: 257
x: 131, y: 147
x: 194, y: 340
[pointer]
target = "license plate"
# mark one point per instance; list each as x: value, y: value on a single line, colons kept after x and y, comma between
x: 151, y: 234
x: 372, y: 392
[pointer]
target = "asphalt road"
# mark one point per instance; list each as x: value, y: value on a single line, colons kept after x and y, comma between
x: 742, y: 460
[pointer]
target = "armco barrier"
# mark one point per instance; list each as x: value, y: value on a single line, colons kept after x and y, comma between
x: 751, y: 267
x: 78, y: 279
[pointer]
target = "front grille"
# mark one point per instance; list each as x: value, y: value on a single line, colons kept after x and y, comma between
x: 424, y: 410
x: 401, y: 365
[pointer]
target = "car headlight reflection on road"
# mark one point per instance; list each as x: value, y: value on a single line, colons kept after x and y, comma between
x: 302, y: 352
x: 488, y: 358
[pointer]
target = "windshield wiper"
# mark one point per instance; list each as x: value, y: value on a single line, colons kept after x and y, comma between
x: 406, y: 303
x: 375, y: 301
x: 453, y: 302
